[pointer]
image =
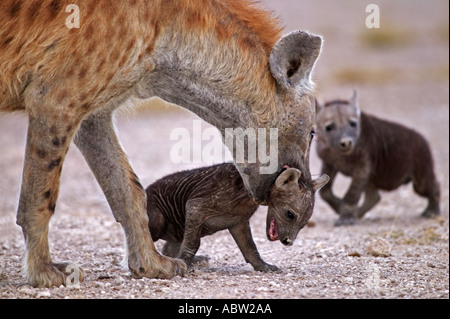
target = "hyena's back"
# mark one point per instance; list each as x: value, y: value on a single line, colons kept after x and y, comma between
x: 67, y: 81
x: 71, y: 68
x: 102, y: 60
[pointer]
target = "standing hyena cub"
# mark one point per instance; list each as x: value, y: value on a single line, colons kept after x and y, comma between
x: 185, y: 206
x: 376, y: 154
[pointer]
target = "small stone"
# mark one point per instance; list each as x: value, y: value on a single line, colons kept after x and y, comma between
x: 379, y: 247
x: 311, y: 224
x: 354, y: 254
x: 44, y: 294
x: 27, y: 290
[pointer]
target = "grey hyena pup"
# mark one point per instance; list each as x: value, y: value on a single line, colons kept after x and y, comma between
x: 376, y: 154
x: 185, y: 206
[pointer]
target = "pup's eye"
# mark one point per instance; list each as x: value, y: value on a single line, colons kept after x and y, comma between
x: 329, y: 127
x: 290, y: 215
x: 312, y: 133
x: 353, y: 123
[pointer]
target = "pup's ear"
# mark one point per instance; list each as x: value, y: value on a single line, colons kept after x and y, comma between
x: 354, y: 102
x: 287, y: 178
x: 320, y: 182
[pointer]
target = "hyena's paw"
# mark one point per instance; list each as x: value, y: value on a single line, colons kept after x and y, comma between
x: 347, y: 215
x: 431, y: 213
x: 345, y: 221
x: 266, y: 268
x: 51, y: 275
x: 200, y: 260
x: 160, y: 267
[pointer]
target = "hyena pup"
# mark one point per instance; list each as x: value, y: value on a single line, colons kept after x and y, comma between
x: 376, y: 154
x: 185, y: 206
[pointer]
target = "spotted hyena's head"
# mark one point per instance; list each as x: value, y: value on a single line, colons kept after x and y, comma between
x: 293, y: 114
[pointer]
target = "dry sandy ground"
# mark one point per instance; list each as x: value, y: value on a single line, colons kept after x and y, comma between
x: 401, y: 71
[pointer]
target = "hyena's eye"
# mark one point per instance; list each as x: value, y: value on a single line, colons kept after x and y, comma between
x: 290, y: 215
x: 329, y: 127
x: 312, y: 133
x: 353, y: 123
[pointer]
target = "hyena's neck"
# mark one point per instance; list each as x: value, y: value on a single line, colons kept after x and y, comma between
x: 225, y: 79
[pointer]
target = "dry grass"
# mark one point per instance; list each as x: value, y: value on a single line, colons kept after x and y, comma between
x: 384, y: 76
x: 364, y: 76
x: 442, y: 33
x: 388, y: 36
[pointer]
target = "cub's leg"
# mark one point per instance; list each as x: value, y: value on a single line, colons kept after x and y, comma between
x: 326, y: 192
x: 99, y: 144
x: 190, y: 244
x: 348, y: 212
x: 172, y: 249
x: 429, y: 189
x: 48, y: 140
x: 243, y: 237
x: 156, y: 222
x: 425, y: 182
x: 195, y: 218
x: 371, y: 198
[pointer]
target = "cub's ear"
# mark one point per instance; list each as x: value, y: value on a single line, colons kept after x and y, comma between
x: 293, y: 58
x: 354, y: 102
x: 318, y: 106
x: 287, y: 178
x: 320, y: 182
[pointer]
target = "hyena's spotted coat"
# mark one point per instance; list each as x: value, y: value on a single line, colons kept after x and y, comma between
x: 223, y: 60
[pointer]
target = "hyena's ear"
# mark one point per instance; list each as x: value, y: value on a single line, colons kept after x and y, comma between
x: 354, y: 102
x: 320, y: 182
x: 293, y: 58
x: 287, y: 178
x: 318, y: 105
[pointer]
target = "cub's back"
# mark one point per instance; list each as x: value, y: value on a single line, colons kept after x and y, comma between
x: 396, y: 151
x: 221, y: 185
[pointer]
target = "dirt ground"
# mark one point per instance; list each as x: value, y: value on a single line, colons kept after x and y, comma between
x: 401, y: 73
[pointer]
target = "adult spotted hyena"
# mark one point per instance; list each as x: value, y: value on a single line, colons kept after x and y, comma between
x: 377, y: 155
x: 225, y: 60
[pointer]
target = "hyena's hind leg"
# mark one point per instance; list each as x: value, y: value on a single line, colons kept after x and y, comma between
x: 98, y: 142
x: 425, y: 182
x: 47, y: 143
x: 429, y: 189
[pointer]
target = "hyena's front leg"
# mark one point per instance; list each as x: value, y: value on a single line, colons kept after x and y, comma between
x: 172, y: 249
x: 242, y: 235
x: 371, y: 198
x: 47, y: 144
x: 348, y: 211
x: 98, y: 142
x: 327, y: 192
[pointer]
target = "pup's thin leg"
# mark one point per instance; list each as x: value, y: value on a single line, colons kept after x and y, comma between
x: 171, y: 249
x: 371, y: 198
x: 243, y: 237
